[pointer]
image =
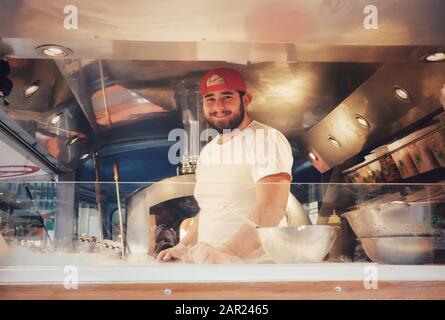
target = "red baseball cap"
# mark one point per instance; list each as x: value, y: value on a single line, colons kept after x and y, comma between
x: 220, y: 79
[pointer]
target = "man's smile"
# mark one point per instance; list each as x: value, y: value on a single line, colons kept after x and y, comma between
x: 221, y: 115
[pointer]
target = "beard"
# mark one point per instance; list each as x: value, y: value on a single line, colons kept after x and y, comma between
x: 233, y: 123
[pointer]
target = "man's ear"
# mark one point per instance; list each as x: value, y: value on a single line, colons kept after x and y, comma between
x: 247, y: 99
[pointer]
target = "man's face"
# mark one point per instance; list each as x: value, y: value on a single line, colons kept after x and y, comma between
x: 223, y: 109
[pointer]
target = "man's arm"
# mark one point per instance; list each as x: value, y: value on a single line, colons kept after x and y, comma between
x: 272, y: 193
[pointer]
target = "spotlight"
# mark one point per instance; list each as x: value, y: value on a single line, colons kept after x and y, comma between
x: 56, y: 119
x: 72, y: 140
x: 362, y: 121
x: 84, y: 156
x: 434, y: 57
x: 334, y: 142
x: 313, y: 156
x: 33, y: 88
x: 54, y: 51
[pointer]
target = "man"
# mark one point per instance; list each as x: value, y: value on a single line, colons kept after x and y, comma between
x: 245, y: 170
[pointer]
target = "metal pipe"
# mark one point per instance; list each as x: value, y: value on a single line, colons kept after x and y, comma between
x: 121, y: 225
x: 98, y: 195
x: 102, y: 83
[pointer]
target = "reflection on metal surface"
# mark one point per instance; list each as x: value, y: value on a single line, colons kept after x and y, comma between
x: 317, y: 21
x: 37, y: 108
x: 289, y: 97
x: 375, y: 101
x: 121, y: 106
x: 217, y: 51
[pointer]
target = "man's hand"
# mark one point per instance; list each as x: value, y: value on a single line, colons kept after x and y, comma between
x: 205, y: 253
x: 177, y: 252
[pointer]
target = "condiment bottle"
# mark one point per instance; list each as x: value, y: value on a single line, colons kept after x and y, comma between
x: 336, y: 251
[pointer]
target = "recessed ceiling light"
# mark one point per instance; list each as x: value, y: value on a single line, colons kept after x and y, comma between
x: 1, y: 193
x: 435, y: 57
x: 313, y: 156
x: 84, y: 156
x: 18, y: 201
x: 334, y: 142
x: 56, y: 118
x: 72, y: 140
x: 53, y: 51
x: 33, y: 88
x: 362, y: 121
x: 401, y: 93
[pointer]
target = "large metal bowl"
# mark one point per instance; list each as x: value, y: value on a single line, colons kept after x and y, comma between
x: 396, y: 218
x: 400, y: 250
x: 297, y: 244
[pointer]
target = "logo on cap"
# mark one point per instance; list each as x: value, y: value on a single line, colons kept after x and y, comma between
x: 215, y: 79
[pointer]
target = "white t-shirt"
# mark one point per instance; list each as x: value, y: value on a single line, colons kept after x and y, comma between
x: 226, y: 175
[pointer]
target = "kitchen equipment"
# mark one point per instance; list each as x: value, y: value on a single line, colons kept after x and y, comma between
x: 400, y: 250
x: 395, y: 218
x: 294, y: 244
x: 121, y: 225
x: 97, y: 189
x: 297, y: 244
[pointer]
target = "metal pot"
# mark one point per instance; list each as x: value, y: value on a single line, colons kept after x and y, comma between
x: 396, y: 218
x: 297, y: 244
x: 400, y: 250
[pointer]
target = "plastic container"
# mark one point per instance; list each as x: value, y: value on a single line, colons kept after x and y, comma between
x: 422, y: 156
x: 418, y: 149
x: 352, y: 175
x: 402, y: 158
x: 436, y: 143
x: 389, y: 171
x: 375, y: 168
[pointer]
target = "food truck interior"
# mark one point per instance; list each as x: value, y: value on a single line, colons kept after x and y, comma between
x: 86, y: 116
